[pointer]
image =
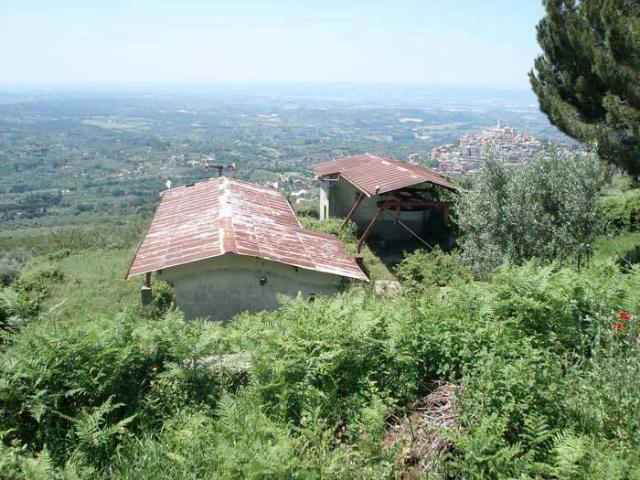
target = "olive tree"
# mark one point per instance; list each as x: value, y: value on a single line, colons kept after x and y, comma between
x: 546, y: 209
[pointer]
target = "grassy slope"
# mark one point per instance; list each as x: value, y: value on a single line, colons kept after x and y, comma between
x: 615, y: 246
x: 93, y: 284
x: 94, y: 279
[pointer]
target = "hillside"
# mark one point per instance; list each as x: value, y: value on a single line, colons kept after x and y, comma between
x: 531, y: 372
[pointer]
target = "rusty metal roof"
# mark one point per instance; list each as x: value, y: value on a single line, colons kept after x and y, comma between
x: 224, y: 215
x: 373, y: 174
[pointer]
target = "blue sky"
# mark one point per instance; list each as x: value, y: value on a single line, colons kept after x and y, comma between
x: 488, y: 43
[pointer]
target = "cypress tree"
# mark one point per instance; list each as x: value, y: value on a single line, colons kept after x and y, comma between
x: 588, y: 78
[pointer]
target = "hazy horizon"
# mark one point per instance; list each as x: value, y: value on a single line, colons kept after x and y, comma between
x: 166, y: 44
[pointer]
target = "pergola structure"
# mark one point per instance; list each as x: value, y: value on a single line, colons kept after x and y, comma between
x: 393, y: 187
x: 402, y: 200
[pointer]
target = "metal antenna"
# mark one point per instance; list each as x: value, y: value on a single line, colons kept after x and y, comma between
x: 220, y: 167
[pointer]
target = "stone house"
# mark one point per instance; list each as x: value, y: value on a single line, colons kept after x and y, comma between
x: 229, y: 246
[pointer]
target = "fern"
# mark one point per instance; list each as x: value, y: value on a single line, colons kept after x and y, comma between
x: 569, y: 450
x: 96, y: 436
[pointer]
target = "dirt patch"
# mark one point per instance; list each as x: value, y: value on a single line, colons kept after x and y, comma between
x: 419, y: 437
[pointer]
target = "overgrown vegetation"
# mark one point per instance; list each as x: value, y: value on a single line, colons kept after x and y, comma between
x: 547, y: 209
x: 540, y: 353
x: 375, y: 268
x: 622, y: 212
x: 422, y: 270
x: 547, y: 380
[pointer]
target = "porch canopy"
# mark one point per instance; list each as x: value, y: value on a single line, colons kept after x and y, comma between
x: 400, y: 187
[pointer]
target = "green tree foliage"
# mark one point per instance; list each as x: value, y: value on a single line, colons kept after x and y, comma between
x: 546, y: 209
x: 622, y: 213
x: 588, y: 78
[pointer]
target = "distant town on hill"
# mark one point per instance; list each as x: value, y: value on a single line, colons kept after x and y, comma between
x: 500, y: 141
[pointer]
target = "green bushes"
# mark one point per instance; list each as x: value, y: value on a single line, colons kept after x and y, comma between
x: 329, y: 358
x: 622, y: 212
x: 22, y: 301
x: 332, y: 226
x: 62, y: 386
x: 57, y: 241
x: 11, y: 265
x: 547, y: 209
x: 422, y: 270
x: 548, y: 386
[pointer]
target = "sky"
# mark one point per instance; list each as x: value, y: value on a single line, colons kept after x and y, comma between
x: 483, y: 43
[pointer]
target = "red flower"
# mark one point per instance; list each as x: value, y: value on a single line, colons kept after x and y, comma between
x: 626, y: 316
x: 618, y: 326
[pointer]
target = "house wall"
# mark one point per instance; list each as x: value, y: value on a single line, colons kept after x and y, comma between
x: 220, y: 287
x: 341, y: 197
x: 323, y: 206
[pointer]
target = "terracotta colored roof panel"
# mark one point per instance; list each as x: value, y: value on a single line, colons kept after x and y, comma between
x: 373, y: 174
x: 223, y: 215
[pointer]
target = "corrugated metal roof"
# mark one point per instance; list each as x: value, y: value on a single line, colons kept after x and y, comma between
x: 373, y: 174
x: 224, y: 215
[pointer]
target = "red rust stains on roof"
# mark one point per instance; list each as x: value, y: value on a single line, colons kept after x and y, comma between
x: 373, y: 174
x: 224, y: 215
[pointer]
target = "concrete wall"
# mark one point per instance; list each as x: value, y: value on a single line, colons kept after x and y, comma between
x: 323, y: 206
x: 222, y: 286
x: 341, y: 197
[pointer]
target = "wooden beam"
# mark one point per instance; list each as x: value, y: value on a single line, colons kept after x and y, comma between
x: 413, y: 204
x: 147, y: 280
x: 367, y: 231
x: 353, y: 209
x: 406, y: 227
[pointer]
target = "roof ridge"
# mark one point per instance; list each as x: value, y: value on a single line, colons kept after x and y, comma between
x: 226, y: 215
x: 226, y: 232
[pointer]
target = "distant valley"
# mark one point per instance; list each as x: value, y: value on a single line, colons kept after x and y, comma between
x: 67, y: 156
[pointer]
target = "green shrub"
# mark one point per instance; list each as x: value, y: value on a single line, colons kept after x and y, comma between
x: 333, y: 226
x: 622, y: 213
x: 9, y: 271
x: 629, y: 259
x: 328, y: 358
x: 163, y: 298
x: 241, y: 441
x: 15, y: 309
x: 421, y: 270
x: 547, y: 209
x: 59, y: 255
x: 16, y: 465
x: 57, y: 381
x: 11, y: 264
x: 307, y: 210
